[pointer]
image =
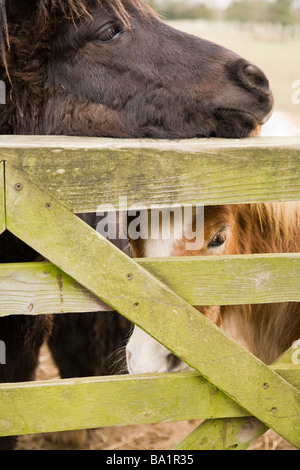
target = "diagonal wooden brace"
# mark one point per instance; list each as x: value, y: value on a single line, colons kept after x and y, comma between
x: 55, y: 232
x: 236, y: 433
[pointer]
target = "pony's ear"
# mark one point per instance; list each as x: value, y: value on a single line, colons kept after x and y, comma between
x: 20, y: 9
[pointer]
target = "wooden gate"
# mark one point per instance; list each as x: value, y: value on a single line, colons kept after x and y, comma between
x: 44, y: 180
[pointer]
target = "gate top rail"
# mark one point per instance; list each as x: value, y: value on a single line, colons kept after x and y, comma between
x: 82, y: 172
x: 102, y: 143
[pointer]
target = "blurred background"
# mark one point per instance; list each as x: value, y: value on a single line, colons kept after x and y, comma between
x: 266, y: 32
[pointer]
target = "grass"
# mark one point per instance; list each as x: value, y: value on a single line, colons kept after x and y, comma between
x: 272, y: 49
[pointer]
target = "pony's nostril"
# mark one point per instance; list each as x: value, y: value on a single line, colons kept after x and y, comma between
x: 256, y: 79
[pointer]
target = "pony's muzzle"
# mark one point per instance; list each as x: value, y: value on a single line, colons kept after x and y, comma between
x: 145, y: 355
x: 255, y: 79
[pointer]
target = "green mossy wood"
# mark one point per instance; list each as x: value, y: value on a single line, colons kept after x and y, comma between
x: 32, y: 215
x: 38, y: 288
x: 63, y: 174
x: 43, y: 288
x: 84, y: 173
x: 92, y: 402
x: 239, y: 433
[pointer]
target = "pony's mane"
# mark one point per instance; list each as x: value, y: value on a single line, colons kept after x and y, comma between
x: 71, y: 9
x: 278, y: 225
x: 281, y: 216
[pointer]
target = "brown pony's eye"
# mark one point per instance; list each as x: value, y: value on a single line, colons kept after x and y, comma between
x: 108, y: 32
x: 218, y: 240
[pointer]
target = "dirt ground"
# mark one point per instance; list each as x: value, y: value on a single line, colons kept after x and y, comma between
x: 160, y: 436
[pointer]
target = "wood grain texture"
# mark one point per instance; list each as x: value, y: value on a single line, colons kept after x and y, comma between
x: 184, y: 145
x: 95, y: 263
x: 42, y: 288
x: 109, y: 401
x: 86, y: 173
x: 230, y: 280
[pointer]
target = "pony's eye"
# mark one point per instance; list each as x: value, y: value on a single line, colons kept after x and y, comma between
x: 108, y: 32
x: 218, y: 240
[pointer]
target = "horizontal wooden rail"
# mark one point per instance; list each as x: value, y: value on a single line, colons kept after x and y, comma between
x: 116, y: 400
x: 86, y: 173
x: 42, y: 288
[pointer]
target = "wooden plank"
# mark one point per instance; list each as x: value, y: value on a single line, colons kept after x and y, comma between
x: 46, y: 406
x: 230, y: 280
x: 84, y: 173
x: 42, y: 288
x: 2, y: 199
x: 237, y: 433
x: 96, y: 143
x: 60, y: 236
x: 223, y: 434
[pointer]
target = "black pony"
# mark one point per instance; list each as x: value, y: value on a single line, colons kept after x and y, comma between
x: 108, y: 68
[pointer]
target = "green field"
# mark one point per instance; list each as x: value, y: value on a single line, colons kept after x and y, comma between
x: 271, y: 48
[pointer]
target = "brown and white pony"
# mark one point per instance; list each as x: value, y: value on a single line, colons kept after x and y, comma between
x: 267, y: 330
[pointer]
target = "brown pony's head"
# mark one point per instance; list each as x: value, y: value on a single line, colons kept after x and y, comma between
x: 113, y: 68
x: 267, y: 330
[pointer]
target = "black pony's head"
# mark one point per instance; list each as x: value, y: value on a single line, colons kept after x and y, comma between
x: 113, y: 68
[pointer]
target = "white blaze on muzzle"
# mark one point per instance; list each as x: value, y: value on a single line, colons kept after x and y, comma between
x: 145, y: 355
